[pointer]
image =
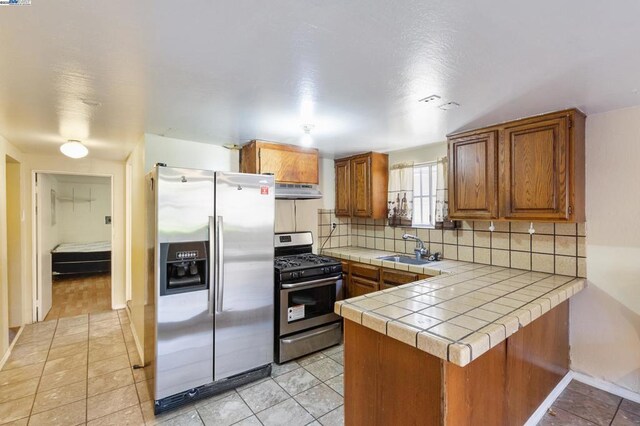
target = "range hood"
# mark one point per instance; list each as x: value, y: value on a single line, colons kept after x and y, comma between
x: 297, y: 191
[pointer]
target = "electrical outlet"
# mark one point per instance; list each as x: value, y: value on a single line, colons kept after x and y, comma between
x: 107, y: 220
x: 333, y: 225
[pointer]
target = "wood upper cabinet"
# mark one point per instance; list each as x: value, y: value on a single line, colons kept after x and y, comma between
x: 288, y: 163
x: 361, y: 178
x: 530, y: 169
x: 343, y: 187
x: 361, y: 185
x: 536, y: 170
x: 473, y: 177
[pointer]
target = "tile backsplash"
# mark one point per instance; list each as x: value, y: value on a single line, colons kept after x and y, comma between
x: 554, y: 247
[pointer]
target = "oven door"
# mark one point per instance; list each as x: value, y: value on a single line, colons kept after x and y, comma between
x: 308, y: 304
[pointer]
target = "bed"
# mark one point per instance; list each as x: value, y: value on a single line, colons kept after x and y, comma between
x: 81, y: 258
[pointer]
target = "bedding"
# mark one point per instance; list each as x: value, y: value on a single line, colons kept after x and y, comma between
x: 81, y: 258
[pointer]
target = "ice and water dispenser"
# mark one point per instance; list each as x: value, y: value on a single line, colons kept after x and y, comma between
x: 184, y: 267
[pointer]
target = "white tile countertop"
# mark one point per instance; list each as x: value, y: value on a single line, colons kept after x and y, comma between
x: 461, y: 313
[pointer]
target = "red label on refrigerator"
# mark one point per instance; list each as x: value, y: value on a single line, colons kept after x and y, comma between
x: 264, y: 190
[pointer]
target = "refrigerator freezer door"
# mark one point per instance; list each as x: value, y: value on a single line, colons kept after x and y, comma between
x: 185, y: 202
x: 244, y: 293
x: 184, y: 328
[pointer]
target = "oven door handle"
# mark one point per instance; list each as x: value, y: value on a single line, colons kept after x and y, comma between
x: 314, y: 333
x: 312, y: 283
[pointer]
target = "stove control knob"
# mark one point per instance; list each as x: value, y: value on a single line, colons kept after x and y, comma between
x: 294, y: 275
x: 334, y: 268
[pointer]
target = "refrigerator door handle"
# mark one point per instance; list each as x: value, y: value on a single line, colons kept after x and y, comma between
x: 220, y: 264
x: 212, y: 266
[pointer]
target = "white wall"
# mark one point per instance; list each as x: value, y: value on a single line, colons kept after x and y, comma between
x: 14, y: 243
x: 7, y: 149
x: 82, y: 208
x: 605, y: 318
x: 90, y: 166
x: 189, y: 154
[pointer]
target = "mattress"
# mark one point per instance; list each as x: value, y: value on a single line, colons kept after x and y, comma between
x: 82, y: 247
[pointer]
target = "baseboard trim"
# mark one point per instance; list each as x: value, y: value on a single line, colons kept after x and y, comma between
x: 7, y: 354
x: 587, y: 380
x: 117, y: 307
x: 549, y: 400
x: 607, y: 387
x: 135, y: 335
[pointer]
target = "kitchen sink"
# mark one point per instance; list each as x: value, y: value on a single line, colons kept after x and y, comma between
x: 409, y: 260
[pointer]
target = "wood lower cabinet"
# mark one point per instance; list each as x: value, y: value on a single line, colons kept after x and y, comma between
x: 531, y: 169
x: 360, y: 278
x: 363, y: 279
x: 473, y: 176
x: 361, y: 185
x: 392, y: 278
x: 392, y: 383
x: 288, y: 163
x: 360, y: 286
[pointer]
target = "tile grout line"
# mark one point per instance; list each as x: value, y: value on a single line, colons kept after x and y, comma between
x: 33, y: 403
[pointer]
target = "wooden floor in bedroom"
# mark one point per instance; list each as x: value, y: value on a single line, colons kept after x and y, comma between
x: 81, y: 294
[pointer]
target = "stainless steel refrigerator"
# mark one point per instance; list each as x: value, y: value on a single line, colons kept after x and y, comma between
x: 210, y: 292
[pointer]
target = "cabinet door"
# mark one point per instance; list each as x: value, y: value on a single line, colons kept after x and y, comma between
x: 360, y: 286
x: 288, y: 165
x: 365, y: 271
x: 535, y: 167
x: 361, y: 186
x: 473, y: 178
x: 343, y: 188
x: 395, y: 277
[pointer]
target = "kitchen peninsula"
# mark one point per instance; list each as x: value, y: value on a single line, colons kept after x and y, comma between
x: 476, y: 344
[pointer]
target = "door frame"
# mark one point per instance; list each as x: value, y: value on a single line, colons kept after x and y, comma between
x: 35, y: 281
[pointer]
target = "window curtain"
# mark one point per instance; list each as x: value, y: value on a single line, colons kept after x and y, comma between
x: 442, y: 194
x: 400, y: 199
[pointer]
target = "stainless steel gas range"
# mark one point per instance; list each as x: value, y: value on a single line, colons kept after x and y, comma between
x: 307, y: 287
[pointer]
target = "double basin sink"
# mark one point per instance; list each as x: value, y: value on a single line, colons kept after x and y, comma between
x: 409, y: 260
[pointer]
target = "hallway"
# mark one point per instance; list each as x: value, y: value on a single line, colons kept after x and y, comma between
x: 80, y: 294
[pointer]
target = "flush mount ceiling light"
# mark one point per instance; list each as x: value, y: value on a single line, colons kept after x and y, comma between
x: 449, y: 105
x: 429, y: 99
x: 91, y: 102
x: 307, y: 140
x: 74, y: 149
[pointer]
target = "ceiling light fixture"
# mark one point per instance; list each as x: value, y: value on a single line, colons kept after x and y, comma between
x: 428, y: 99
x: 74, y: 149
x: 91, y: 102
x: 307, y: 140
x: 232, y: 146
x: 449, y: 105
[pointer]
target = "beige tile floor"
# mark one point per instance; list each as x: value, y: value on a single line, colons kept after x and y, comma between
x: 78, y: 370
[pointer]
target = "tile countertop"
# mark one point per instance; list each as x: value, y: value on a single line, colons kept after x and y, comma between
x: 461, y: 313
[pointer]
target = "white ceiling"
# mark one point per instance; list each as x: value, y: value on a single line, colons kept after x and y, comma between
x: 230, y: 71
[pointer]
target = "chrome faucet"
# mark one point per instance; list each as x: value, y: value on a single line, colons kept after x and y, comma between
x: 421, y: 251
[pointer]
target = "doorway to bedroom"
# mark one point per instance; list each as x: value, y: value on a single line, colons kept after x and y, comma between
x: 73, y: 236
